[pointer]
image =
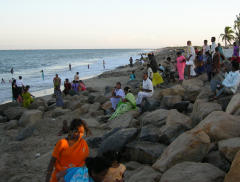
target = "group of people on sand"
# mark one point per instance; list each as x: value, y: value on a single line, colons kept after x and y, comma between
x: 70, y: 161
x: 20, y: 92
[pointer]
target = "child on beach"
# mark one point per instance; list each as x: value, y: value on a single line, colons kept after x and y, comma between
x: 132, y: 75
x: 59, y: 100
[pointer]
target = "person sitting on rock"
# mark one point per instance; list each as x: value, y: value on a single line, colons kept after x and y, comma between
x: 117, y: 95
x: 126, y: 104
x: 146, y: 90
x: 229, y: 85
x: 27, y: 97
x: 69, y: 152
x: 133, y: 76
x: 82, y: 86
x: 103, y: 168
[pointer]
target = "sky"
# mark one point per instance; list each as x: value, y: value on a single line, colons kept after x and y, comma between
x: 97, y: 24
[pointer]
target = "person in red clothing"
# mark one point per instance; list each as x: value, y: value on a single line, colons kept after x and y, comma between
x: 67, y: 87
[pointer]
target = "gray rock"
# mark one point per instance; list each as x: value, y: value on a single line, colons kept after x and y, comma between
x: 202, y: 109
x: 182, y: 106
x: 224, y: 101
x: 150, y: 104
x: 118, y: 140
x: 91, y: 99
x: 234, y: 104
x: 13, y: 113
x: 149, y: 133
x: 156, y: 118
x: 133, y: 165
x: 192, y: 88
x: 193, y: 172
x: 169, y: 133
x: 219, y: 126
x: 13, y: 124
x: 143, y: 174
x: 59, y: 112
x: 25, y: 133
x: 144, y: 152
x: 37, y: 103
x: 3, y: 119
x: 30, y: 117
x: 190, y: 146
x: 229, y: 147
x: 218, y: 160
x: 175, y: 118
x: 170, y: 100
x: 123, y: 121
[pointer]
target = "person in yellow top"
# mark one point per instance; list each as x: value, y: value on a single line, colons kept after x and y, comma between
x: 27, y: 97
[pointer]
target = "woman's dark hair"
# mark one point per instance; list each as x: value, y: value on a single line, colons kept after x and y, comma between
x: 119, y: 83
x: 103, y: 162
x: 67, y: 80
x: 179, y: 53
x: 169, y: 58
x: 127, y: 89
x: 27, y: 88
x: 75, y: 124
x: 235, y: 65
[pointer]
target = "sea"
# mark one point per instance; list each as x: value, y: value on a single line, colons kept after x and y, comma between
x: 29, y: 63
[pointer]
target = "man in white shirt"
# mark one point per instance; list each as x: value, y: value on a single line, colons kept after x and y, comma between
x: 213, y: 46
x: 117, y: 95
x: 20, y: 86
x: 146, y: 91
x: 205, y: 49
x: 76, y: 77
x: 230, y: 84
x: 190, y: 59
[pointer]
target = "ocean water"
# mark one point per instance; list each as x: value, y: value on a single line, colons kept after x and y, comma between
x: 29, y: 63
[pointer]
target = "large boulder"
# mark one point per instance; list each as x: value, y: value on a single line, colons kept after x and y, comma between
x: 233, y: 175
x: 217, y: 159
x: 150, y: 104
x: 156, y: 118
x: 169, y: 101
x: 190, y: 146
x: 193, y: 172
x: 117, y: 140
x: 234, y: 104
x: 13, y: 124
x: 37, y: 103
x: 122, y: 121
x: 219, y: 126
x: 143, y: 174
x: 3, y: 119
x: 175, y: 118
x: 144, y: 152
x: 175, y: 90
x: 149, y: 133
x: 201, y: 109
x: 30, y: 117
x: 168, y: 133
x: 229, y: 147
x: 13, y: 113
x: 59, y: 112
x: 192, y: 88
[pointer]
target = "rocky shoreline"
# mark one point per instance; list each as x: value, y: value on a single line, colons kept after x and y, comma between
x: 181, y: 136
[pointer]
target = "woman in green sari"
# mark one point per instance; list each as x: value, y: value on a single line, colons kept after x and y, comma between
x: 27, y: 97
x: 125, y: 105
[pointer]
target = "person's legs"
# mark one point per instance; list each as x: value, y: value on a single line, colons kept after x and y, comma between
x: 213, y: 85
x: 114, y: 102
x: 142, y: 95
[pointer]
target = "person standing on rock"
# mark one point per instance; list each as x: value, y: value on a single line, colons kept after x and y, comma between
x: 156, y: 77
x: 69, y: 152
x: 213, y: 46
x: 56, y: 83
x: 190, y: 60
x: 146, y: 90
x: 20, y: 87
x: 131, y: 62
x: 27, y: 97
x: 14, y: 90
x: 59, y: 100
x: 76, y: 77
x: 117, y: 95
x: 181, y: 63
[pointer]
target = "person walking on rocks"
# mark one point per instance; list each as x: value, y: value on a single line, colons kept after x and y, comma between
x: 146, y: 90
x: 131, y: 62
x: 156, y: 77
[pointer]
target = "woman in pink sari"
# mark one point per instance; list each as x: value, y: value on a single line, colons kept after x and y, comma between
x: 181, y: 63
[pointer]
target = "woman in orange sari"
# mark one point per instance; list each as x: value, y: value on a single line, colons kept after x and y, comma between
x: 69, y: 152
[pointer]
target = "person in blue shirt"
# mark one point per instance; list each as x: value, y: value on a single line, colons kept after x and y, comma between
x: 133, y: 76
